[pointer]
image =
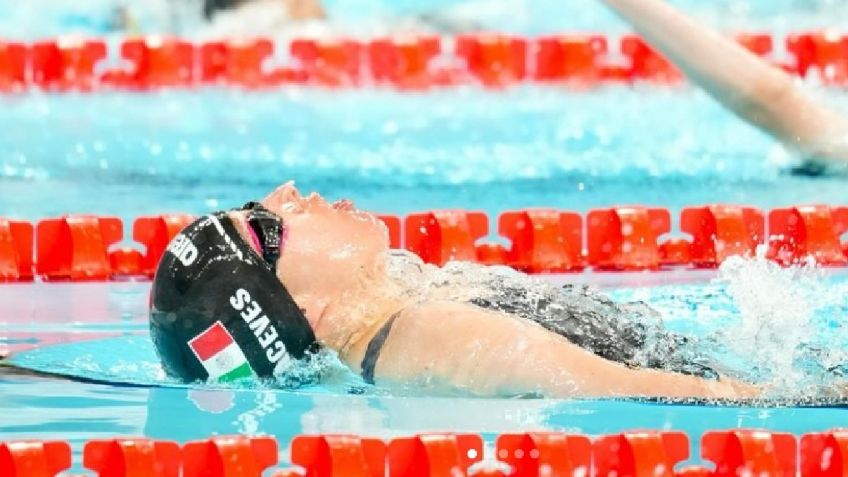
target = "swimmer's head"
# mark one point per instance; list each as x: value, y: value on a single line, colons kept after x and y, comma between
x: 217, y: 309
x: 225, y: 266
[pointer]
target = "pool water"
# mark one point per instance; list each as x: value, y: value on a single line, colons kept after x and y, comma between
x: 194, y: 151
x: 135, y: 154
x: 41, y: 18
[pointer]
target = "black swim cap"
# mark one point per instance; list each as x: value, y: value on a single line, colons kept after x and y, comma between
x: 217, y: 309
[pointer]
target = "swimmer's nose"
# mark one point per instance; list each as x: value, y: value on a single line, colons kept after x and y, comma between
x: 281, y: 195
x: 289, y: 192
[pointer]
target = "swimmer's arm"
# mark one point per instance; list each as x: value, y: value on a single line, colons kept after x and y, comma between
x: 444, y: 344
x: 754, y: 90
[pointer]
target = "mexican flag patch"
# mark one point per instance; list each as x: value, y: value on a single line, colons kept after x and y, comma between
x: 220, y: 354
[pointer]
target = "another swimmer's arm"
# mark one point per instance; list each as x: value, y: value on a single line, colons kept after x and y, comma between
x: 747, y: 85
x: 459, y: 346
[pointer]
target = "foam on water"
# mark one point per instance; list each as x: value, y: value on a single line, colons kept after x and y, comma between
x: 788, y: 318
x: 776, y: 307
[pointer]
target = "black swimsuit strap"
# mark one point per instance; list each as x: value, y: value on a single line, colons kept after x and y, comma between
x: 375, y: 346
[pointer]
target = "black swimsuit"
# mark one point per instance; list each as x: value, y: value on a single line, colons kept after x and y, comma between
x: 631, y: 334
x: 375, y: 346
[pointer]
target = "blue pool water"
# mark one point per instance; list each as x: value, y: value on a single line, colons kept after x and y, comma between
x: 129, y: 155
x: 42, y: 18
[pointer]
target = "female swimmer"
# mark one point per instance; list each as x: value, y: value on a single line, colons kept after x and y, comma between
x: 269, y: 284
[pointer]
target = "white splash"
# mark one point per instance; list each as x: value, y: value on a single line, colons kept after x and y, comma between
x: 776, y: 307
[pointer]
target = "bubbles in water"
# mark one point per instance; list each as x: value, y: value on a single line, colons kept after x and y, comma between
x: 322, y: 367
x: 775, y: 328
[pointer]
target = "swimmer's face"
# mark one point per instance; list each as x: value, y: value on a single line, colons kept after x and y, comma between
x: 323, y: 243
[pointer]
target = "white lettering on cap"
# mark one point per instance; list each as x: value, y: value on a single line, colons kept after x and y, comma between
x: 183, y: 249
x: 263, y: 329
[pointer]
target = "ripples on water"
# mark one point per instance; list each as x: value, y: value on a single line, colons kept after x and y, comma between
x: 130, y: 155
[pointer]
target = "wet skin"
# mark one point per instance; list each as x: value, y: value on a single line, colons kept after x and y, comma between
x: 333, y: 264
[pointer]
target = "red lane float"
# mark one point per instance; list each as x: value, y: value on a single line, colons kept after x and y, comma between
x: 441, y: 236
x: 155, y: 233
x: 808, y: 231
x: 75, y: 247
x: 761, y: 44
x: 826, y: 53
x: 127, y: 263
x: 434, y: 455
x: 675, y: 251
x: 492, y: 254
x: 404, y: 62
x: 722, y: 231
x: 13, y: 67
x: 157, y: 62
x: 750, y: 452
x: 493, y: 60
x: 393, y: 224
x: 16, y: 239
x: 732, y: 453
x: 539, y: 454
x: 66, y: 64
x: 543, y: 240
x: 625, y: 238
x: 824, y: 454
x: 335, y: 455
x: 648, y: 453
x: 238, y: 62
x: 646, y: 64
x: 330, y: 63
x: 229, y: 456
x: 34, y: 458
x: 570, y: 58
x: 132, y: 457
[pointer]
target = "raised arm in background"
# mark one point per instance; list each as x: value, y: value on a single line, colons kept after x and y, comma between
x: 754, y: 90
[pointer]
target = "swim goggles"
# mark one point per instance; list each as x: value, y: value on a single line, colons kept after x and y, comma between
x: 268, y: 228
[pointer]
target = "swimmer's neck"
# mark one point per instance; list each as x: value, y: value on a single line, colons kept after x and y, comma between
x: 345, y: 315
